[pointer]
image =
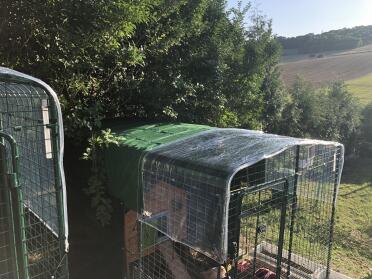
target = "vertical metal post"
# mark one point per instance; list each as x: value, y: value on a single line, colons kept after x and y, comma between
x: 332, y: 221
x: 256, y: 237
x: 294, y: 209
x: 282, y: 230
x: 17, y: 210
x: 8, y: 201
x: 236, y: 201
x: 58, y: 185
x: 141, y: 263
x: 9, y: 211
x: 19, y: 226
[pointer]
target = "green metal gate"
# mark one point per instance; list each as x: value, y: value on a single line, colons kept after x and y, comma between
x: 33, y: 215
x: 257, y: 230
x: 12, y: 256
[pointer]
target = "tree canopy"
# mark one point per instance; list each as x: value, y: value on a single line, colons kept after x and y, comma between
x: 342, y: 39
x: 330, y: 113
x: 188, y: 61
x: 192, y: 61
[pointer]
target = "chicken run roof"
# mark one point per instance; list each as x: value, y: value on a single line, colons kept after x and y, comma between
x: 217, y: 152
x: 155, y: 161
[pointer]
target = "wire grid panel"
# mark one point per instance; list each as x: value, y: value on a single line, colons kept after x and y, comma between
x: 261, y: 232
x: 190, y: 180
x: 6, y: 259
x: 312, y: 174
x: 7, y: 252
x: 166, y: 259
x: 280, y: 216
x: 317, y: 187
x: 27, y: 114
x: 186, y: 207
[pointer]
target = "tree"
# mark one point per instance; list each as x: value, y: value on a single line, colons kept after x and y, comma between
x: 276, y: 99
x: 331, y: 113
x: 187, y: 61
x: 84, y: 49
x: 304, y: 113
x: 342, y: 117
x: 365, y: 147
x: 341, y: 39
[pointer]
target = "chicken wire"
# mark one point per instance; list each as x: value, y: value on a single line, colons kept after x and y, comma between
x: 8, y: 261
x: 30, y: 113
x: 285, y: 224
x: 210, y: 193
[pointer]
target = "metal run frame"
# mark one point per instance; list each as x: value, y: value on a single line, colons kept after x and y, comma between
x: 280, y: 220
x: 35, y: 212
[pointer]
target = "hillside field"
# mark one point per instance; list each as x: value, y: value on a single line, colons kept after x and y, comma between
x: 362, y: 88
x: 345, y: 65
x: 353, y: 66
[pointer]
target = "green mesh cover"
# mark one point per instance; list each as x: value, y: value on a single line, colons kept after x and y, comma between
x: 122, y: 161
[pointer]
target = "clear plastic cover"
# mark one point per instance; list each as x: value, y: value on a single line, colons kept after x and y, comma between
x: 186, y: 184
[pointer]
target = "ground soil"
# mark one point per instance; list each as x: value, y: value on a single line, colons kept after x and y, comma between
x: 95, y: 252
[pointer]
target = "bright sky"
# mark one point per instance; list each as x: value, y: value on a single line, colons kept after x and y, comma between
x: 299, y: 17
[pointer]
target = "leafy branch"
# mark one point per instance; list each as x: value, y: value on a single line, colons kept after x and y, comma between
x: 96, y: 189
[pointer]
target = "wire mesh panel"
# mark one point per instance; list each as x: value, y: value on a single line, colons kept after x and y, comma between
x: 6, y: 257
x: 314, y: 207
x: 162, y: 257
x: 252, y: 205
x: 29, y: 114
x: 8, y: 264
x: 261, y: 232
x: 259, y: 215
x: 260, y: 210
x: 187, y: 208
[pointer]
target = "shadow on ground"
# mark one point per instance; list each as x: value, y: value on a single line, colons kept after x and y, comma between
x: 95, y: 252
x: 357, y: 171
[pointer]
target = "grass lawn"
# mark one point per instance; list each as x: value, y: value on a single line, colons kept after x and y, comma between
x: 352, y: 253
x: 352, y: 250
x: 362, y: 88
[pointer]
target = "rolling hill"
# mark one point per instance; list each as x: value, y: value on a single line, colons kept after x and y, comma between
x: 334, y: 40
x: 362, y: 88
x: 353, y: 66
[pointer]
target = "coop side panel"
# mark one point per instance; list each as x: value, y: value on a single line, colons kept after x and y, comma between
x: 30, y: 115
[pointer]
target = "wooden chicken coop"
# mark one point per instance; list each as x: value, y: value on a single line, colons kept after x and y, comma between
x: 205, y: 202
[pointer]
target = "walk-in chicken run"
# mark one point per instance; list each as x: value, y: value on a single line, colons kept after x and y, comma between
x: 209, y: 203
x: 33, y: 204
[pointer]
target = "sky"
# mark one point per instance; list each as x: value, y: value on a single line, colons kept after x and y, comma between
x: 299, y: 17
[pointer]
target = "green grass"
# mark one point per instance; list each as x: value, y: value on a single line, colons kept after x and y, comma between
x: 362, y: 88
x: 352, y: 250
x: 352, y: 254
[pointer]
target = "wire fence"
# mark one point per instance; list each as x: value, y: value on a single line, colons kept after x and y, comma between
x: 28, y: 114
x: 280, y: 217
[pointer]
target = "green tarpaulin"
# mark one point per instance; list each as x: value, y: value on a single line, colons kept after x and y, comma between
x: 122, y: 162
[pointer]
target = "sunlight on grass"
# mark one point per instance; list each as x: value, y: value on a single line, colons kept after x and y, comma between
x: 362, y: 88
x: 352, y: 254
x: 352, y: 250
